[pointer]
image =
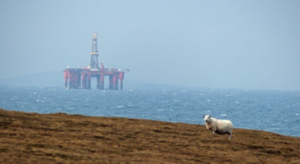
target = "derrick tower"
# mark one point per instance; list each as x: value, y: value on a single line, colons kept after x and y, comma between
x: 94, y: 54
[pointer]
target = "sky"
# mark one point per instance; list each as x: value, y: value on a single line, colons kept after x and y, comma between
x: 218, y: 44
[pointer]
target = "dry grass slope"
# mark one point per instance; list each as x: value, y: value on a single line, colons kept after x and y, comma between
x: 62, y: 138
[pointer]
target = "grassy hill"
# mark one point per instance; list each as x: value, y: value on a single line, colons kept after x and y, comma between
x: 62, y: 138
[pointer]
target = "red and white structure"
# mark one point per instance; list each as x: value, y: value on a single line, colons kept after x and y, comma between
x: 80, y: 78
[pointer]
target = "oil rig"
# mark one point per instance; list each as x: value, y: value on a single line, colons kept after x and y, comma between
x: 80, y: 78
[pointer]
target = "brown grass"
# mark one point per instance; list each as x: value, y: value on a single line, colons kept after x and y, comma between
x: 62, y: 138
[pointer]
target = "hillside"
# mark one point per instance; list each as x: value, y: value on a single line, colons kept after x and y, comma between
x: 62, y: 138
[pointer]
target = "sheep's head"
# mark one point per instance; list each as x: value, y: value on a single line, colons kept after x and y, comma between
x: 207, y: 118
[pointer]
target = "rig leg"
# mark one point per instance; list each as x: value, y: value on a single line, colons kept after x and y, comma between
x: 121, y: 77
x: 110, y: 81
x: 89, y: 81
x: 98, y: 81
x: 75, y: 80
x: 66, y: 79
x: 78, y: 80
x: 83, y: 86
x: 115, y: 81
x: 70, y: 80
x: 102, y: 81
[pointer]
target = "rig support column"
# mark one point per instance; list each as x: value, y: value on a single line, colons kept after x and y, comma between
x: 102, y: 81
x: 66, y: 79
x: 79, y: 80
x: 121, y: 77
x: 98, y: 81
x: 89, y: 81
x: 75, y: 80
x: 115, y: 82
x: 110, y: 81
x: 70, y: 80
x: 83, y: 81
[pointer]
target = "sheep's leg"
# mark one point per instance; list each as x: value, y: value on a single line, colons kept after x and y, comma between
x: 213, y: 131
x: 230, y: 136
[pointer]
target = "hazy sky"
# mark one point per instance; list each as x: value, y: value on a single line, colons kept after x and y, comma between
x: 222, y: 44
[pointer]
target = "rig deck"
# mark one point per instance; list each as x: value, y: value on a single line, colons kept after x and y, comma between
x: 81, y: 78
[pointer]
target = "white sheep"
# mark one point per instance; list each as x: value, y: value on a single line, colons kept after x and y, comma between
x: 218, y: 126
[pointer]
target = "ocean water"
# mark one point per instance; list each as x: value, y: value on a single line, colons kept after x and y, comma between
x: 274, y: 111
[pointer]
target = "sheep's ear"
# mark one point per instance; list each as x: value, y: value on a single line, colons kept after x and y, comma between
x: 209, y: 116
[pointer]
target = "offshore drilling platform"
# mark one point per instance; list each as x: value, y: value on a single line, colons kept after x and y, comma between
x: 80, y: 78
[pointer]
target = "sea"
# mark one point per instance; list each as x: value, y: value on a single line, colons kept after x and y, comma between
x: 268, y: 110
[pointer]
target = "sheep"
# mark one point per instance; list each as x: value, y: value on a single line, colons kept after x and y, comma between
x: 218, y: 126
